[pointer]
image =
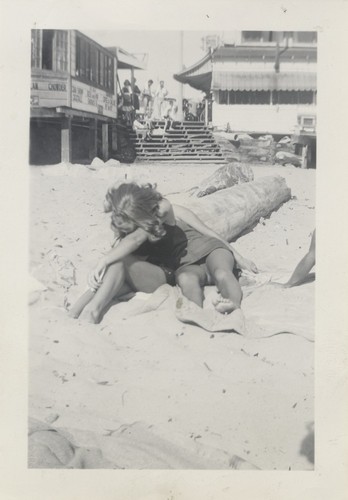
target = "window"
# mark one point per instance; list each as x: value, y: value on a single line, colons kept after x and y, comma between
x: 47, y: 49
x: 293, y: 97
x: 252, y: 36
x: 93, y: 65
x: 36, y: 48
x: 101, y: 69
x: 61, y: 50
x: 306, y: 36
x: 223, y: 96
x: 244, y: 97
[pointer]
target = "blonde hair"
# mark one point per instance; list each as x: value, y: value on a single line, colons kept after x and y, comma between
x: 135, y: 203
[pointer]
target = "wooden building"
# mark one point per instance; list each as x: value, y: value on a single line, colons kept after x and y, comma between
x: 263, y: 82
x: 73, y: 99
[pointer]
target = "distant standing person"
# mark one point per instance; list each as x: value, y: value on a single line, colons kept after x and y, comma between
x: 159, y: 102
x: 136, y: 95
x: 126, y: 106
x: 127, y: 85
x: 147, y: 98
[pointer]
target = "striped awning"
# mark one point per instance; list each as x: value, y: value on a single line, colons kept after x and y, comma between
x: 198, y: 75
x: 227, y: 80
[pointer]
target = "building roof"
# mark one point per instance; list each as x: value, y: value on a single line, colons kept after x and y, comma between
x: 126, y: 60
x: 199, y: 75
x: 252, y: 80
x: 203, y: 76
x: 265, y: 52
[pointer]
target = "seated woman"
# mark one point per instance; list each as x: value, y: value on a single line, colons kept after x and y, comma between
x: 159, y: 243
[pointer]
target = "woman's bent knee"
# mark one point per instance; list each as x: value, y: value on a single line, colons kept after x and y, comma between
x: 221, y: 275
x: 185, y: 279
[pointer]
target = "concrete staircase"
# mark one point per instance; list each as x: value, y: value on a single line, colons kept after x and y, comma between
x: 183, y: 142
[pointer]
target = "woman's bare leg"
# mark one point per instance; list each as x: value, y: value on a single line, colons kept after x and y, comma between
x: 132, y: 274
x: 191, y: 280
x: 142, y: 276
x: 113, y: 285
x: 220, y: 265
x: 303, y: 267
x: 80, y: 304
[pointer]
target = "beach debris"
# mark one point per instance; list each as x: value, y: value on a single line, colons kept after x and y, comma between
x: 195, y: 436
x: 122, y: 397
x: 226, y: 176
x: 35, y: 288
x: 267, y: 137
x: 237, y: 462
x: 235, y: 210
x: 285, y: 140
x: 97, y: 162
x: 64, y: 269
x: 285, y: 157
x: 243, y: 137
x: 207, y: 366
x: 112, y: 163
x: 243, y: 351
x: 52, y: 417
x: 66, y: 303
x: 61, y: 376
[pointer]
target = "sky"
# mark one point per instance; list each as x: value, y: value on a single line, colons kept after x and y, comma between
x: 164, y: 55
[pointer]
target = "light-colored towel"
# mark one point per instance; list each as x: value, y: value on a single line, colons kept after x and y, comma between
x: 266, y: 310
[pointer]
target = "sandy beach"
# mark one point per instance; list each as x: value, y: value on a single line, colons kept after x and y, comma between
x: 144, y: 391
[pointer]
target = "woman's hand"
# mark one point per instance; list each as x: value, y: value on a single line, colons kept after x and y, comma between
x: 95, y: 277
x: 246, y: 264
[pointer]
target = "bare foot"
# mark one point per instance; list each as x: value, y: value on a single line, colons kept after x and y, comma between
x: 224, y: 306
x: 90, y: 315
x: 188, y: 312
x: 80, y: 304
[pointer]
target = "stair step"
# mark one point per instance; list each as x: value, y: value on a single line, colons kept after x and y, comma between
x: 190, y: 142
x: 185, y: 160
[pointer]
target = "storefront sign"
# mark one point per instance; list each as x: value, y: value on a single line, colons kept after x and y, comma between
x: 48, y: 93
x: 91, y: 99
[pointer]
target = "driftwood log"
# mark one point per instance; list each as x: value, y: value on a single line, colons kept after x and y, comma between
x: 226, y: 176
x: 232, y: 211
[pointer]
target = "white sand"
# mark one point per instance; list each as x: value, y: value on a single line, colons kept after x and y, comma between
x: 151, y: 392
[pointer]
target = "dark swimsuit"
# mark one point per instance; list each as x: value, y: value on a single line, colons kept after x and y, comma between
x: 181, y: 246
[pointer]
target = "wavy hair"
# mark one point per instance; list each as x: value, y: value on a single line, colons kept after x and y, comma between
x: 135, y: 203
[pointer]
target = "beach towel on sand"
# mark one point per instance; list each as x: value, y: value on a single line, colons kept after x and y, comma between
x: 266, y: 310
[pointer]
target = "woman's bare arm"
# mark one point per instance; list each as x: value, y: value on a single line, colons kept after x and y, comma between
x: 125, y: 247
